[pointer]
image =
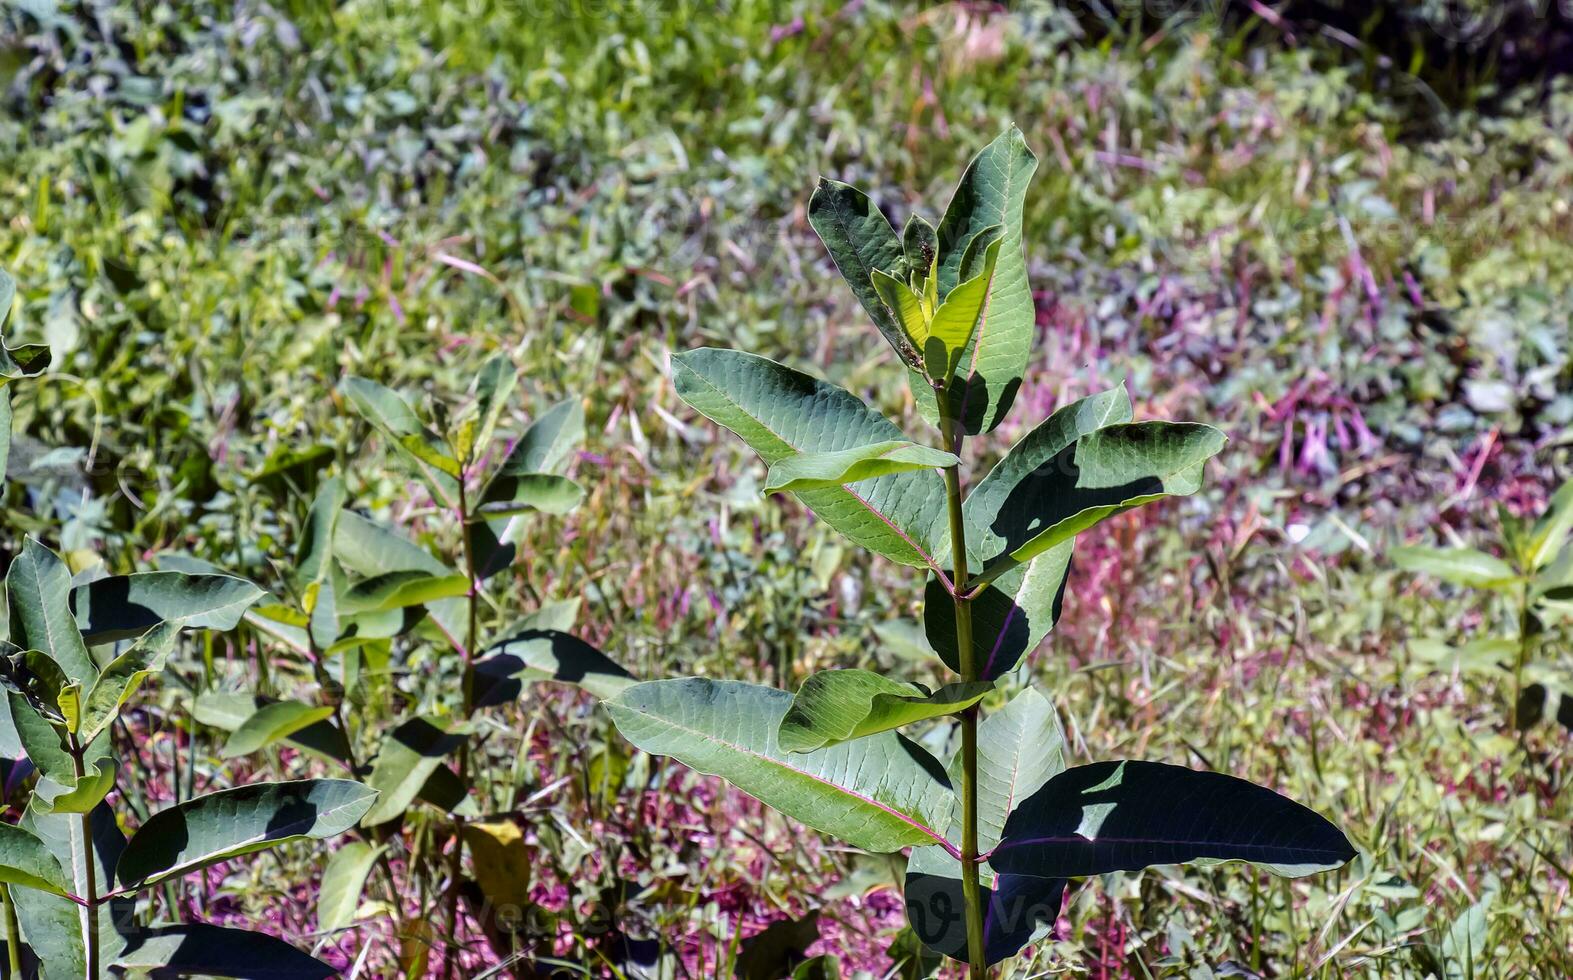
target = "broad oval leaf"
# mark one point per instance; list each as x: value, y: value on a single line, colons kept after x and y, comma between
x: 199, y: 949
x: 391, y: 415
x: 1458, y: 566
x: 228, y: 711
x: 1551, y: 530
x: 510, y: 496
x: 343, y: 880
x: 25, y: 860
x: 840, y: 705
x: 123, y: 675
x: 546, y: 444
x: 1012, y: 614
x: 780, y: 412
x: 861, y: 242
x: 880, y: 793
x: 545, y: 655
x: 823, y: 471
x: 409, y: 755
x: 1105, y: 473
x: 993, y: 191
x: 398, y: 590
x: 38, y: 588
x: 314, y: 551
x: 122, y: 607
x: 1018, y: 909
x: 233, y: 822
x: 1125, y: 816
x: 273, y: 722
x: 1020, y: 748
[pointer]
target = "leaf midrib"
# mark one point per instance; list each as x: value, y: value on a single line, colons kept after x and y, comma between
x: 937, y: 837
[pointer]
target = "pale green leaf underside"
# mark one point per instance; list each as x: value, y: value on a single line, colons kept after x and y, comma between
x: 780, y: 412
x: 823, y: 471
x: 233, y: 822
x: 26, y: 861
x: 840, y: 705
x: 342, y: 883
x: 880, y: 793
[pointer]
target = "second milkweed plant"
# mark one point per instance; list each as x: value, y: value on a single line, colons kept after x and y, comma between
x: 996, y: 833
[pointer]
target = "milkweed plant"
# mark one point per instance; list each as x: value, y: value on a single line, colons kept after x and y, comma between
x: 997, y: 832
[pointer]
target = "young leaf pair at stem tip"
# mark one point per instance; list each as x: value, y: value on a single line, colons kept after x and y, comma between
x: 997, y: 832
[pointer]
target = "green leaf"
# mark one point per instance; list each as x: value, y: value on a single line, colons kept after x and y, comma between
x: 1020, y: 748
x: 216, y: 827
x: 1458, y: 566
x: 122, y: 607
x: 45, y: 688
x: 7, y: 295
x: 1018, y: 909
x: 861, y: 242
x: 840, y: 705
x: 992, y: 192
x: 398, y: 590
x: 44, y: 744
x: 5, y: 432
x: 1125, y: 816
x: 1012, y: 614
x: 26, y: 861
x: 408, y: 757
x: 81, y: 794
x: 907, y: 309
x: 38, y: 587
x: 510, y: 496
x: 342, y: 883
x: 959, y: 318
x: 228, y: 711
x: 880, y: 793
x: 494, y: 385
x: 370, y: 549
x: 314, y: 551
x: 1552, y: 529
x: 123, y: 675
x: 53, y: 925
x: 393, y: 418
x: 920, y: 245
x: 544, y: 447
x: 825, y: 471
x: 271, y: 723
x: 545, y: 655
x: 199, y: 949
x: 1105, y: 473
x: 780, y: 413
x: 774, y: 951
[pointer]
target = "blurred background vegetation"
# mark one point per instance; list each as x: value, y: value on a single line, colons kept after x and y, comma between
x: 1339, y: 230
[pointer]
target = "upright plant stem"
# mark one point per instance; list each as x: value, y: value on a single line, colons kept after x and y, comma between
x: 13, y: 934
x: 456, y: 866
x: 1525, y: 639
x: 971, y: 891
x: 89, y: 910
